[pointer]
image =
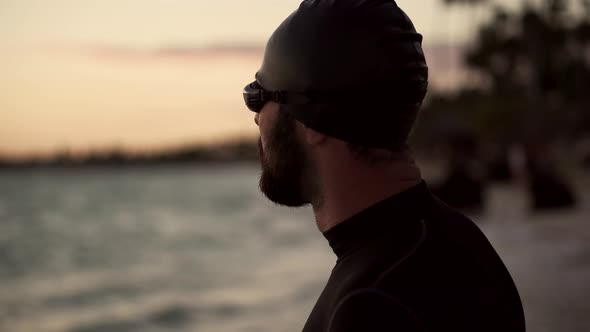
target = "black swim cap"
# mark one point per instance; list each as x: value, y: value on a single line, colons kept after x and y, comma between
x: 360, y: 61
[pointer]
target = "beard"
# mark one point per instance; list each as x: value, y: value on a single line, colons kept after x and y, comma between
x: 283, y: 165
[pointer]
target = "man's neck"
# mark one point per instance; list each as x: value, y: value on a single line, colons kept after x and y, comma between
x: 344, y: 195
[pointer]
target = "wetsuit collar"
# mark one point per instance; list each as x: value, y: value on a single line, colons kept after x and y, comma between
x: 396, y: 216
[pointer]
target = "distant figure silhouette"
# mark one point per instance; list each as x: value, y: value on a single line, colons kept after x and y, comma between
x: 498, y: 165
x: 547, y: 188
x: 463, y: 186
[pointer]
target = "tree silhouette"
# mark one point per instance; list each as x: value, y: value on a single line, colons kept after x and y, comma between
x: 534, y: 66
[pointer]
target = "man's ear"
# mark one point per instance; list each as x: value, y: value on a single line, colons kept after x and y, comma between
x: 313, y: 137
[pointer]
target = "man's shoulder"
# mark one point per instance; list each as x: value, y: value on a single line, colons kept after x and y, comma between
x: 455, y: 273
x: 371, y: 309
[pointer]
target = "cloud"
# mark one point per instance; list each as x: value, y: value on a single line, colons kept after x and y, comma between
x: 438, y: 55
x: 182, y: 53
x: 444, y: 60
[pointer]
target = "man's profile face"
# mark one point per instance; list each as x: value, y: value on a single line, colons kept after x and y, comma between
x: 282, y: 158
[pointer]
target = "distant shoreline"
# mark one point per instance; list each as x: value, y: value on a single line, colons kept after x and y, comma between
x: 226, y: 153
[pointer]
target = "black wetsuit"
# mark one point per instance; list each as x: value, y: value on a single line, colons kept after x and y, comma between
x: 410, y: 263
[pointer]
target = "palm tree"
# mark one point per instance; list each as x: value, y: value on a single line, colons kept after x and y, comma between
x: 538, y: 53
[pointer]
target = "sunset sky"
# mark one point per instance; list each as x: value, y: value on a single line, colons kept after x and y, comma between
x: 145, y: 74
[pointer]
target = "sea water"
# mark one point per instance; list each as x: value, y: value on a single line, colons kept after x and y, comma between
x: 198, y: 248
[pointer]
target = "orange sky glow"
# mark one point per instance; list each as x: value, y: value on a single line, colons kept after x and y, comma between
x: 138, y: 74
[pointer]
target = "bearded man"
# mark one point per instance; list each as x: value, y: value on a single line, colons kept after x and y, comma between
x: 337, y: 95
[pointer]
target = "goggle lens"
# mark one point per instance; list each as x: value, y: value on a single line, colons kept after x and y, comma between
x: 253, y: 97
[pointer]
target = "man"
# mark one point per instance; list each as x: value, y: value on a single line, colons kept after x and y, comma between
x: 336, y: 97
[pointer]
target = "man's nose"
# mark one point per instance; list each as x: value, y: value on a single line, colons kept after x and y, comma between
x: 256, y: 118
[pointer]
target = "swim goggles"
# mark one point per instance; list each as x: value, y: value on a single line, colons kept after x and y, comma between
x: 255, y: 97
